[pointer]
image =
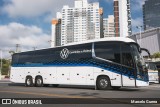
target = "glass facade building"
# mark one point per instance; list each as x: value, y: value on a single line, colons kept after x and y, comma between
x: 151, y: 14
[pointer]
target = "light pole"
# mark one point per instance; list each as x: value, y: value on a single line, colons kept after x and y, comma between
x: 140, y: 33
x: 1, y: 64
x: 52, y: 43
x: 34, y: 48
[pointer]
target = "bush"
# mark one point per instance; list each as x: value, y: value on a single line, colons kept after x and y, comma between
x: 156, y: 55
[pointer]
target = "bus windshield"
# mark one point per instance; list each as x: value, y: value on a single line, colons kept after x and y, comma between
x: 140, y: 63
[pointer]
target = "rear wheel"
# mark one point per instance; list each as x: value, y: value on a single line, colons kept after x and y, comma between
x: 103, y: 83
x: 29, y: 81
x: 39, y: 81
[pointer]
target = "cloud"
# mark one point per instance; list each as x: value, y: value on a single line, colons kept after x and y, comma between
x: 33, y: 8
x: 36, y: 8
x: 27, y: 36
x: 136, y: 5
x: 108, y: 1
x: 137, y: 22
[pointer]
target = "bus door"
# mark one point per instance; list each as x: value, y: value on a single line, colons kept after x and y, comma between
x: 128, y: 71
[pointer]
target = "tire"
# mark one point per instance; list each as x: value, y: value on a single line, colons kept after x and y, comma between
x: 103, y: 83
x: 55, y: 85
x: 29, y: 81
x: 38, y: 81
x: 116, y: 87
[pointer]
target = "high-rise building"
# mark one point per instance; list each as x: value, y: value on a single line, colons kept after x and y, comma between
x: 108, y: 26
x: 101, y: 23
x: 81, y: 22
x: 116, y: 17
x: 122, y: 16
x: 56, y: 33
x: 151, y: 14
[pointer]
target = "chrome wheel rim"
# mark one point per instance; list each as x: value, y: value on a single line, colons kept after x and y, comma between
x: 28, y: 82
x: 39, y: 81
x: 103, y: 83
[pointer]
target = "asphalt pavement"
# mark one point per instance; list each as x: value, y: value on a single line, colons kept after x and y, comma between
x: 86, y: 95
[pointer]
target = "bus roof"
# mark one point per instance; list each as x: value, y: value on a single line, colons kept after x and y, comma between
x: 122, y: 39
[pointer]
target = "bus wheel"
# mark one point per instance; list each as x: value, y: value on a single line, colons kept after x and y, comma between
x: 55, y: 85
x: 38, y: 81
x: 29, y: 81
x: 103, y: 83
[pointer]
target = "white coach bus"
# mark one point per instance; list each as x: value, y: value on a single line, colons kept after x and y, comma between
x: 105, y: 63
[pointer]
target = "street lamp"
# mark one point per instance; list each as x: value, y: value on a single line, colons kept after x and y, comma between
x: 140, y: 31
x: 34, y: 48
x: 52, y: 43
x: 1, y: 64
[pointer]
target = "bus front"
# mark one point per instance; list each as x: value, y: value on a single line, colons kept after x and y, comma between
x: 141, y: 74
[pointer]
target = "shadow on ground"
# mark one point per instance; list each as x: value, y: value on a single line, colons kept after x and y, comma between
x: 129, y: 89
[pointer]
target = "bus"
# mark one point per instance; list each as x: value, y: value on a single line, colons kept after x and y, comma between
x: 108, y: 63
x: 152, y: 72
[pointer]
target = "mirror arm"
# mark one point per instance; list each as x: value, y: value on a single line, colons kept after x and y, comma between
x: 143, y: 49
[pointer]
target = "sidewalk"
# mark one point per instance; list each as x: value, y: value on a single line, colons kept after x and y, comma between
x: 154, y: 85
x: 4, y: 80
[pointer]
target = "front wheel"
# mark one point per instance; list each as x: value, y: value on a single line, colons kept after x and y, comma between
x: 103, y: 83
x: 39, y: 82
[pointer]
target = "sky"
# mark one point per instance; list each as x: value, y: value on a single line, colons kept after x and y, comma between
x: 28, y: 22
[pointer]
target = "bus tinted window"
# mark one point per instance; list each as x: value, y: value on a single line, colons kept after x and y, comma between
x: 127, y: 56
x: 108, y: 51
x: 52, y: 55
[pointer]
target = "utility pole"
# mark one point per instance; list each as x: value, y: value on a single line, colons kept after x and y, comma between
x: 17, y: 48
x: 1, y: 64
x: 140, y: 33
x: 34, y: 48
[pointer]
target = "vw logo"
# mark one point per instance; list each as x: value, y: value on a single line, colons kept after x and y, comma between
x: 64, y: 53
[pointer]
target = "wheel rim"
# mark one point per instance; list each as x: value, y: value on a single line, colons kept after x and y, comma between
x: 39, y: 81
x: 28, y: 82
x: 103, y: 83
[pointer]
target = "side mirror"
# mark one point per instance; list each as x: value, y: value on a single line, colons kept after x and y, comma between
x: 143, y: 49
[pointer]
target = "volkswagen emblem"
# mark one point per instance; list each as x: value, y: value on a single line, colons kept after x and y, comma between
x: 64, y: 53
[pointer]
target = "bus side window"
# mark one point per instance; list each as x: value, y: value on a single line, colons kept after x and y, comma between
x: 109, y: 51
x: 127, y: 56
x: 15, y: 59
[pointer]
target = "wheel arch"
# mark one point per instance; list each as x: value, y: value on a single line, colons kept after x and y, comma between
x: 28, y: 76
x: 37, y: 77
x: 103, y: 76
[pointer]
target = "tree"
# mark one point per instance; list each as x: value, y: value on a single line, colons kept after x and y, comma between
x: 5, y: 66
x: 156, y: 55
